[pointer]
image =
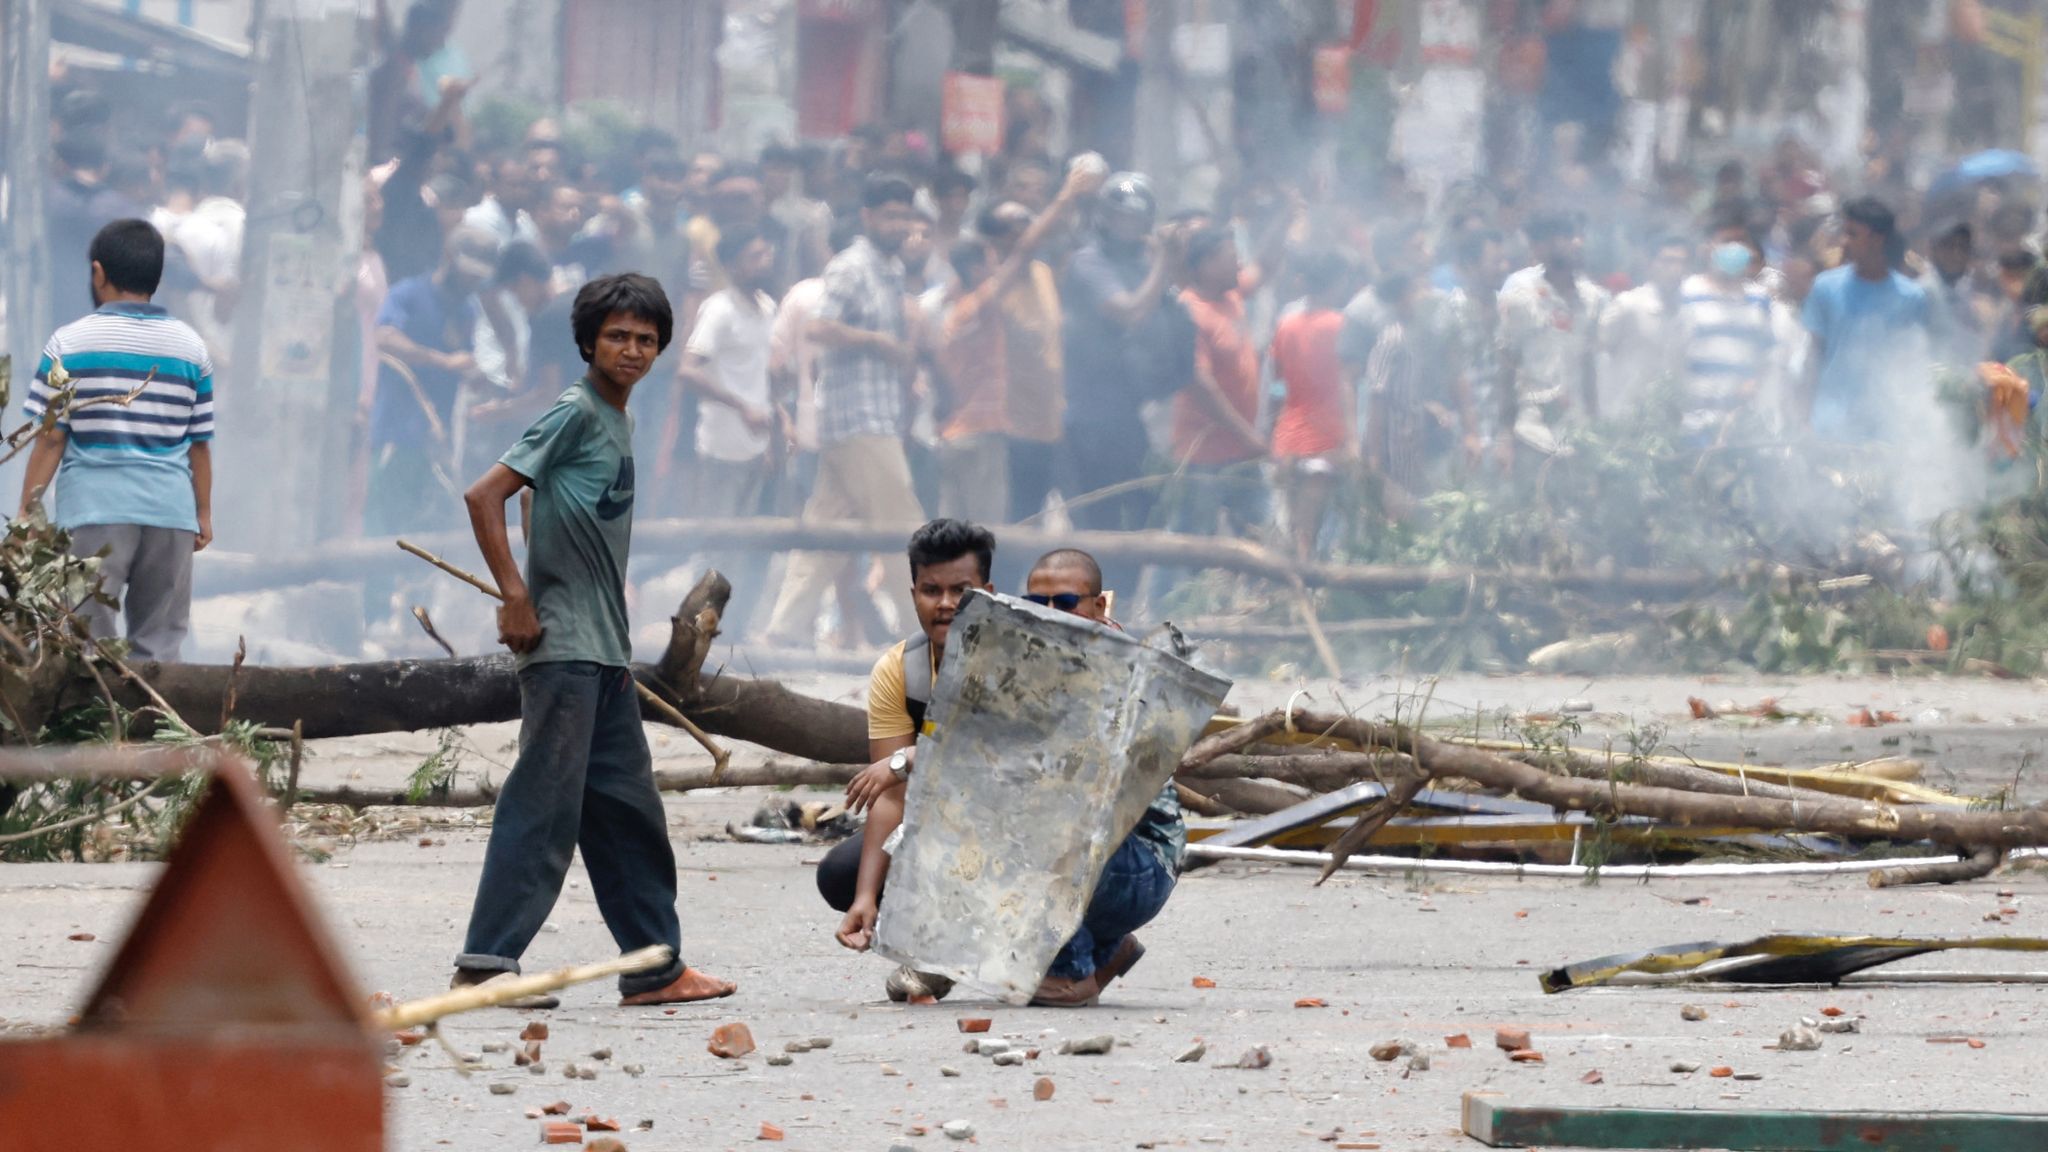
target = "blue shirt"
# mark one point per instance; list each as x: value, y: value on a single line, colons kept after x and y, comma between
x: 420, y: 309
x: 1873, y: 337
x: 127, y: 463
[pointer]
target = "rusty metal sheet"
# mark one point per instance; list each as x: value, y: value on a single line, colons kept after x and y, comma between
x: 1048, y: 737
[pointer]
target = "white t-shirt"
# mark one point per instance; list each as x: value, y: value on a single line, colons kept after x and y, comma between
x: 735, y: 340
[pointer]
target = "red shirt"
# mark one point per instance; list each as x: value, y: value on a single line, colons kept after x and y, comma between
x: 1223, y: 346
x: 1312, y: 421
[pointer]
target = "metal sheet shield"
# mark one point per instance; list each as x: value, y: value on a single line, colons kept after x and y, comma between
x: 1047, y: 736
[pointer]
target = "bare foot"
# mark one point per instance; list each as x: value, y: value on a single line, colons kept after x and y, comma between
x: 688, y: 988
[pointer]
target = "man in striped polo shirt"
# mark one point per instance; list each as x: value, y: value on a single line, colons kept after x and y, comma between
x: 134, y: 478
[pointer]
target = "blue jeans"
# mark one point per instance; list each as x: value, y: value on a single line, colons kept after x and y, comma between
x: 1133, y: 889
x: 583, y: 779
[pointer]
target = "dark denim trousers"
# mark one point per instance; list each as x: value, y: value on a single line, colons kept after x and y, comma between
x: 1133, y: 888
x: 583, y: 779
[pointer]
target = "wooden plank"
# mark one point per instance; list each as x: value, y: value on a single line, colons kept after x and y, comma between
x: 1497, y: 1124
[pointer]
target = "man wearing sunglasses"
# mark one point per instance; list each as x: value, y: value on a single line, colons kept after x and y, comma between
x: 948, y: 559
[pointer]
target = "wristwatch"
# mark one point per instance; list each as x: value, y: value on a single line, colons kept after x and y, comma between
x: 899, y: 764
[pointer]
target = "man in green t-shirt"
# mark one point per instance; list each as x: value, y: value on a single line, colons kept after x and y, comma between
x: 583, y: 777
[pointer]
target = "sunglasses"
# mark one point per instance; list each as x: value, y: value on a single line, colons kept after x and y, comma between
x: 1064, y: 601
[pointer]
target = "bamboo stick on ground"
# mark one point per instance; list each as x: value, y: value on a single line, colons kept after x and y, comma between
x: 720, y: 756
x: 496, y: 992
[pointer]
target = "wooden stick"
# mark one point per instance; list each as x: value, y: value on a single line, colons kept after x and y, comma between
x: 720, y: 756
x: 499, y: 991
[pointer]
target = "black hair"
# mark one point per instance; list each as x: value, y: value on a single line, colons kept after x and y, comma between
x: 880, y: 190
x: 1551, y: 225
x: 736, y: 170
x: 1871, y: 212
x: 948, y: 180
x: 630, y: 293
x: 668, y: 162
x: 781, y: 154
x: 1322, y: 270
x: 131, y: 253
x: 522, y: 260
x: 732, y: 242
x: 967, y: 253
x: 1472, y: 245
x: 990, y: 221
x: 1205, y: 243
x: 943, y: 541
x: 1955, y: 230
x: 1060, y: 558
x: 2017, y: 260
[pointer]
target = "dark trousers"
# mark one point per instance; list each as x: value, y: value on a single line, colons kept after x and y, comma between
x: 583, y: 779
x: 1133, y: 888
x: 1103, y: 456
x: 1031, y: 467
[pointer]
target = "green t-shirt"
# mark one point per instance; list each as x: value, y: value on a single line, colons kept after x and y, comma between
x: 579, y: 459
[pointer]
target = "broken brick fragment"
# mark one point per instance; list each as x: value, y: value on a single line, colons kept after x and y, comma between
x: 731, y: 1041
x: 409, y: 1038
x: 1310, y: 1002
x: 558, y: 1108
x: 1042, y: 1090
x: 769, y: 1132
x: 527, y: 1055
x: 1526, y: 1056
x: 82, y: 937
x: 605, y: 1144
x: 599, y: 1124
x: 536, y: 1030
x: 1511, y: 1039
x: 1459, y: 1041
x: 1204, y: 982
x: 560, y: 1132
x: 1721, y: 1073
x: 975, y: 1023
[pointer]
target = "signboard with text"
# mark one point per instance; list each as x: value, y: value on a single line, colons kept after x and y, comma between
x: 972, y: 120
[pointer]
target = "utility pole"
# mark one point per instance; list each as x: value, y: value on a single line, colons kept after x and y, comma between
x: 1155, y: 143
x: 293, y: 378
x: 27, y: 86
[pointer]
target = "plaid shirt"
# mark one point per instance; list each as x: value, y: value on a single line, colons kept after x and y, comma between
x: 860, y: 393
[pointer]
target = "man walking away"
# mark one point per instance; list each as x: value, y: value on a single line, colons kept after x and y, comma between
x: 583, y: 777
x: 134, y: 479
x: 726, y: 364
x: 863, y: 386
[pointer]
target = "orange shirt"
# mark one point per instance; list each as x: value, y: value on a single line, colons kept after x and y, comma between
x: 973, y: 358
x: 1223, y: 346
x: 1312, y: 421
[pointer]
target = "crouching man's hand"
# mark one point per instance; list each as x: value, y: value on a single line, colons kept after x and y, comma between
x: 857, y: 930
x: 874, y: 781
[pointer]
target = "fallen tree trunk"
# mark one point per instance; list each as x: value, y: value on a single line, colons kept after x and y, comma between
x: 773, y: 774
x: 415, y: 695
x: 2025, y: 827
x: 355, y: 559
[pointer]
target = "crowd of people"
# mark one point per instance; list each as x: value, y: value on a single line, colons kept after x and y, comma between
x: 871, y: 332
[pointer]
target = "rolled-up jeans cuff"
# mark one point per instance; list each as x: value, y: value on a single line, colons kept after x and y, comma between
x: 653, y: 980
x: 477, y: 962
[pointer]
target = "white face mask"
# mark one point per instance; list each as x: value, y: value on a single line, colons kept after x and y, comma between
x: 1732, y: 258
